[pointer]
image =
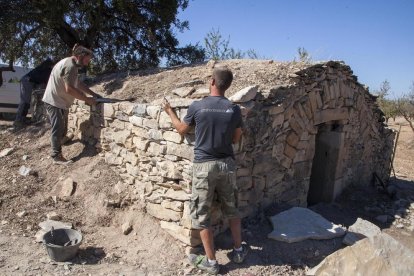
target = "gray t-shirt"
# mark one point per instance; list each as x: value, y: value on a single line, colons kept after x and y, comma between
x: 65, y: 71
x: 215, y: 119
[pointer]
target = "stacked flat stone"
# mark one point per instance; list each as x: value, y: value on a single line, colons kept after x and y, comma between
x: 275, y: 155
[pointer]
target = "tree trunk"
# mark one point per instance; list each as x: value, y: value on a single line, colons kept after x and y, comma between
x: 407, y: 118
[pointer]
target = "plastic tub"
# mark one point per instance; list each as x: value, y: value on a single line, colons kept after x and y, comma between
x: 62, y: 244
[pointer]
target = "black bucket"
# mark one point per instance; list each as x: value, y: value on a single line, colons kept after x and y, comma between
x: 62, y: 244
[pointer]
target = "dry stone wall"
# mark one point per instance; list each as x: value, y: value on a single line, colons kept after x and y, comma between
x: 275, y: 156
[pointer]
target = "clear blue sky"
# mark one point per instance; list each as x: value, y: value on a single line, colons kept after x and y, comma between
x: 376, y: 38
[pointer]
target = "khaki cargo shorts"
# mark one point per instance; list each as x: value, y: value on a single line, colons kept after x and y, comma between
x: 211, y: 179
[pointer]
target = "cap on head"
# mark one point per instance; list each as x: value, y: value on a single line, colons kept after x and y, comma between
x: 79, y: 50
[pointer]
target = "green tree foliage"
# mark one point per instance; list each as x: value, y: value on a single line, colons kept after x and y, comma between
x: 122, y: 33
x: 388, y: 107
x: 405, y: 107
x: 218, y: 48
x: 186, y: 55
x: 303, y: 55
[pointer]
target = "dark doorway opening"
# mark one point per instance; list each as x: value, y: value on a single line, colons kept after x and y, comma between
x: 322, y: 180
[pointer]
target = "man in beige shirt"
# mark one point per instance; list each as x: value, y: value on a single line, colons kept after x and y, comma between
x: 62, y: 89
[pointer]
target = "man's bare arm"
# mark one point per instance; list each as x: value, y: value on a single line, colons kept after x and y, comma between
x: 182, y: 128
x: 71, y: 90
x: 86, y: 90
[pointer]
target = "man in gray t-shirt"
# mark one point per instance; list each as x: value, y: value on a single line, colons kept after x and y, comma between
x: 215, y: 119
x: 62, y: 89
x: 218, y: 125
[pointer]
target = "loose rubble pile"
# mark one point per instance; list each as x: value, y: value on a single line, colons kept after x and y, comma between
x: 284, y: 107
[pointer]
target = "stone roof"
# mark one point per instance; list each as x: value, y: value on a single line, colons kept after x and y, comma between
x: 148, y: 85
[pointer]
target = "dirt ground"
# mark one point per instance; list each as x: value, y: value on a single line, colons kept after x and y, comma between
x: 25, y: 201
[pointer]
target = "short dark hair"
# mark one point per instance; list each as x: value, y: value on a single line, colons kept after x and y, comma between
x: 223, y: 77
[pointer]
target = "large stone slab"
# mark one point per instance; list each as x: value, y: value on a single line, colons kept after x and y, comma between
x: 184, y: 91
x: 48, y: 224
x: 245, y: 95
x: 201, y: 93
x: 327, y: 115
x: 298, y: 224
x: 379, y: 255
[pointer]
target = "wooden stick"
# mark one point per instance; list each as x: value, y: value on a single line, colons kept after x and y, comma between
x: 395, y: 149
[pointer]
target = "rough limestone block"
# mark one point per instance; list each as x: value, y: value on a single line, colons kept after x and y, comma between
x: 131, y: 158
x: 112, y: 159
x: 140, y: 110
x: 290, y: 151
x: 127, y: 107
x: 245, y: 95
x: 177, y: 206
x: 108, y: 110
x: 244, y: 183
x: 243, y: 172
x: 136, y: 121
x: 186, y: 217
x: 180, y: 233
x: 132, y: 170
x: 380, y: 255
x: 313, y: 101
x: 154, y: 134
x: 165, y: 121
x: 183, y: 91
x: 169, y: 169
x: 277, y: 150
x: 121, y: 116
x: 153, y: 111
x: 292, y: 139
x: 179, y: 102
x: 278, y: 121
x: 150, y: 123
x: 180, y: 150
x: 140, y: 132
x: 179, y: 195
x: 156, y: 149
x: 359, y: 230
x: 172, y: 136
x: 285, y: 162
x: 156, y: 210
x: 120, y: 137
x: 140, y: 143
x: 68, y: 187
x: 319, y: 101
x: 276, y: 110
x: 117, y: 124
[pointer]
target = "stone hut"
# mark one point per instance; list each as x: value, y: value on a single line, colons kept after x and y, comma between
x: 310, y: 131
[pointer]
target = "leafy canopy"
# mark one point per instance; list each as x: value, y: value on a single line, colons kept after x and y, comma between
x: 123, y: 33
